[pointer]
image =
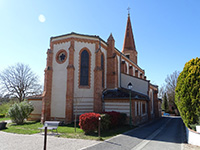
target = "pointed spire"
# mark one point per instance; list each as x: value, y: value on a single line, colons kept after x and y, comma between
x: 129, y: 43
x: 111, y: 37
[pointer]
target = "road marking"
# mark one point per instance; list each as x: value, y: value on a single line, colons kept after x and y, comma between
x: 149, y: 138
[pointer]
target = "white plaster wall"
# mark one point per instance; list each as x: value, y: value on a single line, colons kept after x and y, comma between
x: 84, y: 92
x: 139, y: 74
x: 119, y: 69
x: 151, y: 98
x: 127, y: 67
x: 192, y: 137
x: 58, y: 99
x: 122, y: 107
x: 83, y: 105
x: 133, y: 71
x: 37, y: 106
x: 135, y: 108
x: 139, y: 85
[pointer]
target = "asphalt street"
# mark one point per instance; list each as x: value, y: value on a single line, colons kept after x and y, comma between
x: 166, y: 133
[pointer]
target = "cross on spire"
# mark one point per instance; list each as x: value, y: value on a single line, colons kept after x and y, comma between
x: 128, y: 10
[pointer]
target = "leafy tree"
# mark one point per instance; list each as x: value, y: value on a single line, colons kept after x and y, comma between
x: 19, y: 81
x: 187, y: 95
x: 20, y: 111
x: 165, y: 105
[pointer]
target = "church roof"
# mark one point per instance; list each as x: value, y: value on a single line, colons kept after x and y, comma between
x: 129, y: 43
x: 90, y: 36
x: 78, y: 34
x: 122, y: 93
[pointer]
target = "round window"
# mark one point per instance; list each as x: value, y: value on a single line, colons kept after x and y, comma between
x: 61, y: 56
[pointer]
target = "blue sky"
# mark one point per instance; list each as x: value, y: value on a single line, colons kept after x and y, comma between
x: 166, y: 32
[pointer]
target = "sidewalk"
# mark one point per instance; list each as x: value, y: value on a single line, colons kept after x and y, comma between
x: 10, y: 141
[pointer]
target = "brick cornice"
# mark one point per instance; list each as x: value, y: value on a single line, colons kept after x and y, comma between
x: 78, y: 40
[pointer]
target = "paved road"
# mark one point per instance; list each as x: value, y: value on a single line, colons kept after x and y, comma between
x: 166, y: 133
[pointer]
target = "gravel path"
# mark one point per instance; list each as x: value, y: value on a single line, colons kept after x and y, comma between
x: 10, y: 141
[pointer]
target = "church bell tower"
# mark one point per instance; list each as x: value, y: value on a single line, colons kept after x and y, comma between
x: 129, y: 48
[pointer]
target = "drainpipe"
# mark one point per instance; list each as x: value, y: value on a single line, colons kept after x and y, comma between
x: 120, y: 80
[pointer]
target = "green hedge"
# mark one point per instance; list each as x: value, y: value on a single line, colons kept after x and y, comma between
x: 187, y: 95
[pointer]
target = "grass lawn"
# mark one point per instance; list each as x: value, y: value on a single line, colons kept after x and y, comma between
x: 67, y: 131
x: 3, y: 119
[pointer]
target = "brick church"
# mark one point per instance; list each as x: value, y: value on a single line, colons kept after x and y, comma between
x: 84, y: 73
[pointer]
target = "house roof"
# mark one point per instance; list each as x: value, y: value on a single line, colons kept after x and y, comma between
x: 35, y: 97
x: 122, y: 93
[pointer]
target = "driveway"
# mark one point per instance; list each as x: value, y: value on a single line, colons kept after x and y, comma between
x: 166, y: 133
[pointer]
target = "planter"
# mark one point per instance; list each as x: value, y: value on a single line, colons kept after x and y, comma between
x: 198, y: 128
x: 3, y: 125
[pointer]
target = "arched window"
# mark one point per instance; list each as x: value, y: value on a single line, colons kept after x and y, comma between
x: 102, y: 67
x: 84, y: 68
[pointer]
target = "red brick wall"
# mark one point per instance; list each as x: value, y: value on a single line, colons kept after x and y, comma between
x: 46, y: 100
x: 112, y: 67
x: 70, y: 85
x: 98, y: 82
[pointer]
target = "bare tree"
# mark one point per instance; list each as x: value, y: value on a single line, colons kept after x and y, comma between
x: 19, y: 81
x: 161, y: 91
x: 171, y: 81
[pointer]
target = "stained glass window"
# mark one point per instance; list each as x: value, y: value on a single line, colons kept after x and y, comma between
x: 84, y: 76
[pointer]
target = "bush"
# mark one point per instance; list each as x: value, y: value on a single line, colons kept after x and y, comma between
x: 187, y: 95
x: 193, y: 126
x: 114, y: 118
x: 122, y: 119
x: 2, y: 115
x: 89, y: 122
x: 105, y: 122
x: 20, y: 111
x: 4, y: 108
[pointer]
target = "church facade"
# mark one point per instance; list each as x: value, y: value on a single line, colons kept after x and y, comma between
x: 84, y: 73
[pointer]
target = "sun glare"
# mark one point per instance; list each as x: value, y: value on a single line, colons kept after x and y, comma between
x: 42, y: 18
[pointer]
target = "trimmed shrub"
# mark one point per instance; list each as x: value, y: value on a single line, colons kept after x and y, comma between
x: 89, y: 122
x: 20, y: 111
x: 105, y: 122
x: 122, y: 119
x: 114, y: 118
x: 187, y: 95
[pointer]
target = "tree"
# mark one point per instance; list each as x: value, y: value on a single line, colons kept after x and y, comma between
x: 161, y: 91
x: 165, y: 105
x: 171, y: 82
x: 188, y: 92
x: 19, y: 81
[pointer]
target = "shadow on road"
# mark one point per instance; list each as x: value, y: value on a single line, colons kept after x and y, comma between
x: 166, y: 129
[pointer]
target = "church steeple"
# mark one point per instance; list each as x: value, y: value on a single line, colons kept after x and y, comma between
x: 129, y: 48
